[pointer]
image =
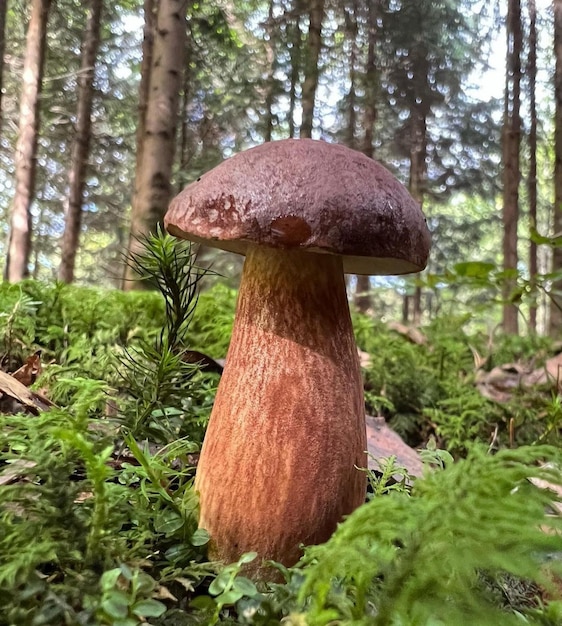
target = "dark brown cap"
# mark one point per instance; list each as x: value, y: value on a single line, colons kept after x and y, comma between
x: 307, y: 194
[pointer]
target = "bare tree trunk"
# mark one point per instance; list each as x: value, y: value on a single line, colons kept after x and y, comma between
x: 81, y: 143
x: 270, y: 85
x: 363, y: 300
x: 352, y: 32
x: 295, y: 55
x: 556, y: 304
x: 511, y: 169
x: 418, y: 171
x: 3, y: 13
x: 361, y: 297
x: 146, y: 67
x: 406, y: 308
x: 532, y: 179
x: 19, y: 247
x: 310, y: 83
x: 144, y: 89
x: 370, y: 114
x: 157, y: 155
x: 186, y: 147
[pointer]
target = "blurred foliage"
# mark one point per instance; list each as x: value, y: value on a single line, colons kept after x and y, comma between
x: 429, y: 390
x: 239, y: 52
x: 211, y: 326
x: 72, y: 324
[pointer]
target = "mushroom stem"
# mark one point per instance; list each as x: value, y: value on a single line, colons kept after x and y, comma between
x: 278, y: 466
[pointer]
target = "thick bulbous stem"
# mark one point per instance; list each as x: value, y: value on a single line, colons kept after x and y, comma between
x: 279, y: 464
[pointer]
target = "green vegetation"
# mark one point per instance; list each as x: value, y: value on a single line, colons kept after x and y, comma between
x: 98, y: 517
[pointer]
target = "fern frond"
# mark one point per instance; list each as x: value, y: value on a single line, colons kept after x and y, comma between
x: 420, y: 559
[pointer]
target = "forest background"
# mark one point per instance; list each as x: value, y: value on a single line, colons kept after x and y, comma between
x: 86, y: 86
x: 107, y: 110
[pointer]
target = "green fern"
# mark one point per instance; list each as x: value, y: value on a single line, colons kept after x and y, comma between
x: 419, y: 559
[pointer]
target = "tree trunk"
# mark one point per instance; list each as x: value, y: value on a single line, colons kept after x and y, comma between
x: 370, y: 113
x: 295, y: 50
x: 146, y: 67
x: 532, y: 179
x: 310, y: 83
x: 81, y: 143
x: 511, y: 169
x: 556, y: 303
x: 270, y: 84
x: 153, y: 175
x: 418, y: 171
x: 352, y: 32
x: 363, y: 300
x: 3, y: 13
x: 19, y: 246
x: 186, y: 146
x: 406, y: 308
x: 149, y: 12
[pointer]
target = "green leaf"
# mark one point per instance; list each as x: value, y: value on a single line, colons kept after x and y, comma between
x: 177, y: 553
x: 221, y: 582
x: 126, y: 571
x: 145, y: 583
x: 474, y: 269
x: 128, y: 621
x: 168, y: 522
x: 203, y: 603
x: 247, y: 557
x: 200, y: 537
x: 109, y: 579
x: 245, y: 586
x: 116, y: 604
x: 539, y: 239
x: 149, y: 608
x: 229, y: 597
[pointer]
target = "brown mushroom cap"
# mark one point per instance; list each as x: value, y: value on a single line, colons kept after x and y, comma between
x: 307, y: 194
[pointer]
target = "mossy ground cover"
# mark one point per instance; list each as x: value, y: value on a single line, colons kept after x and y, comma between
x: 98, y: 517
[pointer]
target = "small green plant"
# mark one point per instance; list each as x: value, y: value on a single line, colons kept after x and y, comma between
x: 127, y: 597
x: 420, y: 558
x: 17, y: 323
x: 228, y: 589
x: 163, y: 383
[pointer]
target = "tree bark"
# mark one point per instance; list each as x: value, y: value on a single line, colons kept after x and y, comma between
x: 80, y: 144
x: 146, y: 67
x: 294, y: 29
x: 19, y: 246
x: 310, y: 83
x: 351, y: 29
x: 149, y: 12
x: 3, y: 13
x: 186, y: 146
x: 418, y: 172
x: 363, y: 300
x: 556, y: 303
x: 153, y: 175
x: 370, y: 113
x: 532, y: 178
x: 511, y: 169
x: 270, y: 83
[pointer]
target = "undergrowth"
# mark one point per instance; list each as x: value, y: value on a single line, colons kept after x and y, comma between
x: 98, y: 516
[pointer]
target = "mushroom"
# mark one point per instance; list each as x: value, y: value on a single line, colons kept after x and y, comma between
x: 279, y: 466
